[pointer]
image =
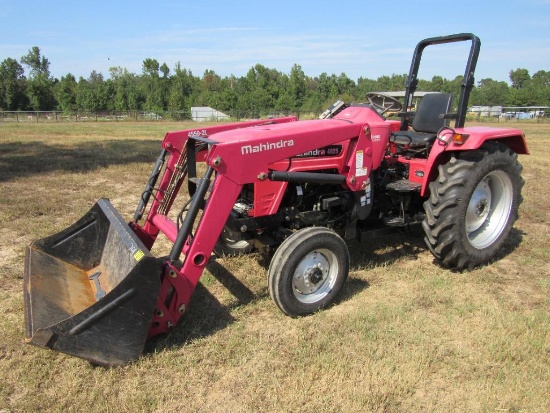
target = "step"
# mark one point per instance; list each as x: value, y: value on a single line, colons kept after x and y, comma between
x: 404, y: 185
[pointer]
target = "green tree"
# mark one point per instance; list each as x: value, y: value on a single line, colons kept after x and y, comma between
x: 519, y: 78
x: 120, y: 78
x: 165, y: 70
x: 327, y: 88
x: 541, y: 84
x: 151, y: 67
x: 229, y: 97
x: 126, y: 89
x: 438, y: 84
x: 364, y: 86
x: 65, y: 93
x: 492, y: 93
x: 297, y: 86
x: 94, y: 94
x: 455, y: 87
x: 40, y: 83
x: 264, y: 86
x: 345, y: 84
x: 154, y: 88
x: 181, y: 88
x: 541, y: 79
x: 12, y: 85
x: 526, y: 96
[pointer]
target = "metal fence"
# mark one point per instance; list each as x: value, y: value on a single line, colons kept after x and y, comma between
x: 119, y: 116
x: 511, y: 113
x: 147, y: 116
x: 57, y: 116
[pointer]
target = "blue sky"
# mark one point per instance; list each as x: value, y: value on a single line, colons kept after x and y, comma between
x: 359, y: 38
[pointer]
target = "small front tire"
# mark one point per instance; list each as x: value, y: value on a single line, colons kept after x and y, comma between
x: 308, y: 270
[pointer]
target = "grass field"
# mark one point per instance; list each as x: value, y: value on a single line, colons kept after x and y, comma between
x: 405, y: 336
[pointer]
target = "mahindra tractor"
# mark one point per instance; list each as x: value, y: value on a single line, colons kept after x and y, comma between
x: 300, y: 190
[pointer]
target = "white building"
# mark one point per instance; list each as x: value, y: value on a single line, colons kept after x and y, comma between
x: 206, y: 113
x: 486, y: 111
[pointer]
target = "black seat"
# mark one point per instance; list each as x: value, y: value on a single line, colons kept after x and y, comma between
x: 427, y: 121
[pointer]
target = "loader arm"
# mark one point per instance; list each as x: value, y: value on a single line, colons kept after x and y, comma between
x: 260, y: 149
x: 174, y: 148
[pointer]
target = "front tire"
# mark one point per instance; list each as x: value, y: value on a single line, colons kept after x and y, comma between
x: 308, y: 270
x: 473, y: 205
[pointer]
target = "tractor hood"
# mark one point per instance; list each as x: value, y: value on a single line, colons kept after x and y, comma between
x: 263, y: 145
x: 255, y: 148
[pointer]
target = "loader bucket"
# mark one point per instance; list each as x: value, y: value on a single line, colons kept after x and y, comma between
x: 91, y: 290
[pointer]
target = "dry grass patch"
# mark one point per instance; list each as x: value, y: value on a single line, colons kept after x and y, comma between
x: 406, y: 334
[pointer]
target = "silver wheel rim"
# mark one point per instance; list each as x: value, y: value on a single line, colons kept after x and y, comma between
x: 489, y: 209
x: 315, y: 276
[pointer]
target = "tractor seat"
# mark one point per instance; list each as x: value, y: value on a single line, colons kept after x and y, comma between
x: 428, y: 120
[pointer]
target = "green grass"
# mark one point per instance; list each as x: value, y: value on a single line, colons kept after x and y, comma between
x: 405, y: 336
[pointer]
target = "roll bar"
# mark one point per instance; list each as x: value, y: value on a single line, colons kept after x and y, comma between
x: 467, y: 81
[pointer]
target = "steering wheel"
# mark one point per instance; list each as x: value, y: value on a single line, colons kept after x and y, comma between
x: 382, y: 102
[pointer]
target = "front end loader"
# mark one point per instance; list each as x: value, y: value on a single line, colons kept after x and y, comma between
x: 300, y: 190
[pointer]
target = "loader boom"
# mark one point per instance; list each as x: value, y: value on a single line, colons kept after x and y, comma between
x: 265, y: 150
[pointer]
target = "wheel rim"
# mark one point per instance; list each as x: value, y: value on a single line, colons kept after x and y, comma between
x: 315, y: 276
x: 489, y: 209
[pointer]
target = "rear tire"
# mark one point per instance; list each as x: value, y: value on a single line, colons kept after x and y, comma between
x: 227, y: 246
x: 308, y: 270
x: 473, y: 205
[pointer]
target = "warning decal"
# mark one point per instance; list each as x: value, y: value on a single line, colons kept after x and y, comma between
x: 360, y: 170
x: 138, y: 255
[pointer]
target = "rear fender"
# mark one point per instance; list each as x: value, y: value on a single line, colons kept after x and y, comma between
x: 442, y: 151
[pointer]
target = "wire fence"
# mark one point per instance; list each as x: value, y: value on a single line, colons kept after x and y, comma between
x: 502, y: 113
x: 518, y: 114
x: 58, y: 116
x: 139, y: 116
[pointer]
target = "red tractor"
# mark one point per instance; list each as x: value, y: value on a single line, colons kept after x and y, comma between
x: 298, y: 188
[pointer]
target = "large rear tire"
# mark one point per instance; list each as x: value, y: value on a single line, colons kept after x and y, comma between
x: 308, y: 270
x: 473, y: 205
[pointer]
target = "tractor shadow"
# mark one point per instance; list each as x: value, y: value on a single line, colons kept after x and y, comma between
x: 384, y: 250
x: 389, y: 249
x: 206, y: 315
x: 513, y: 241
x: 379, y: 252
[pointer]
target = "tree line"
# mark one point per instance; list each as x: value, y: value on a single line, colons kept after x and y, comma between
x: 27, y: 84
